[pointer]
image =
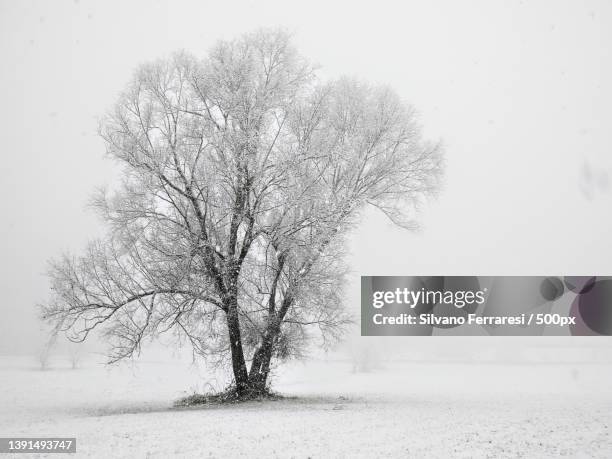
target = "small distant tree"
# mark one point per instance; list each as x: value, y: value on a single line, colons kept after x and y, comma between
x: 242, y: 173
x: 74, y: 355
x: 364, y: 356
x: 44, y: 352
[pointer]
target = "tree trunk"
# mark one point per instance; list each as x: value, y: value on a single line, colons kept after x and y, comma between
x: 260, y: 367
x: 241, y: 376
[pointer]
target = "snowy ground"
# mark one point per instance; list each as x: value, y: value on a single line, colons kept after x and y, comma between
x: 400, y: 410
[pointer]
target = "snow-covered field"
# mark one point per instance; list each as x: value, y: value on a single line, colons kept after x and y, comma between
x: 403, y: 409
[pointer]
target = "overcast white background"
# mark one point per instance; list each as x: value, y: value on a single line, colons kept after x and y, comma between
x: 520, y: 93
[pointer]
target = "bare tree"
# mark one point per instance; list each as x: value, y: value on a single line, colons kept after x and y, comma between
x: 74, y: 355
x: 242, y: 174
x: 45, y: 350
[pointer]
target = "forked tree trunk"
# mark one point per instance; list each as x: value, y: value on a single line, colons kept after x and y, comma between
x: 250, y: 383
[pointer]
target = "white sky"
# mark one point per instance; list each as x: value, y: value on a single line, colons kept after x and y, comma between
x: 520, y: 93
